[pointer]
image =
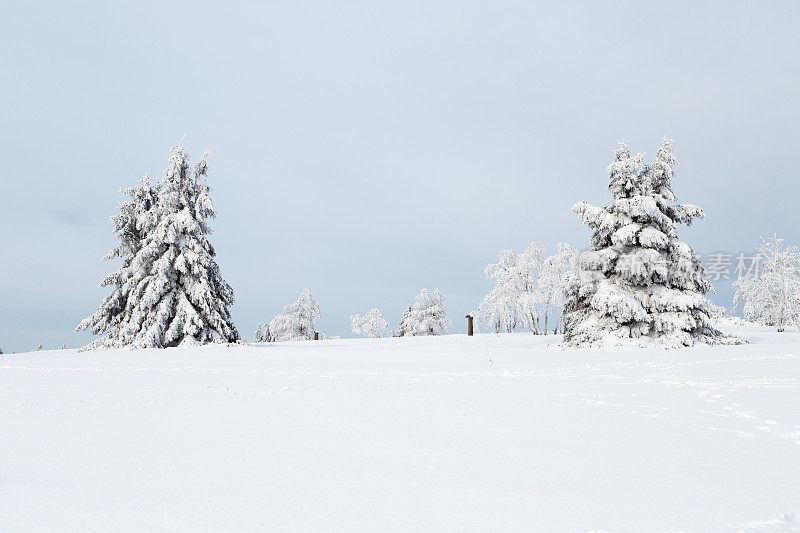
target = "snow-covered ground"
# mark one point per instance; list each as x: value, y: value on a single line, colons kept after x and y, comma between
x: 490, y: 433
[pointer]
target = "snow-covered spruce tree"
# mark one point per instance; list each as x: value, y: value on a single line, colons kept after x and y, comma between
x: 639, y: 282
x: 136, y: 219
x: 428, y: 315
x: 372, y: 324
x: 296, y: 322
x: 770, y: 295
x: 177, y: 294
x: 404, y: 327
x: 262, y: 335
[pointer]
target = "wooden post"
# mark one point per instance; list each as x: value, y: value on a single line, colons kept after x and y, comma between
x: 469, y: 325
x: 316, y: 335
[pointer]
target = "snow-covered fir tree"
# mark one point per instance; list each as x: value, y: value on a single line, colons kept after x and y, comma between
x: 404, y: 327
x: 262, y: 335
x: 174, y: 290
x: 136, y: 219
x: 428, y: 316
x: 296, y: 322
x: 770, y: 293
x: 639, y: 282
x: 372, y: 324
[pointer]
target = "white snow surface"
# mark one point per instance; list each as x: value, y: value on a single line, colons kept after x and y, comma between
x: 488, y: 433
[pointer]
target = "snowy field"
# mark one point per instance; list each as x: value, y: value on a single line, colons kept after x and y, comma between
x: 490, y: 433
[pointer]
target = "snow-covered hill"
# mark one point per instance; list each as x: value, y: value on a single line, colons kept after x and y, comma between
x: 487, y: 433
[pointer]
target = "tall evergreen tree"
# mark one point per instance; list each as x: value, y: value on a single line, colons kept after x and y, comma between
x: 182, y: 297
x: 404, y: 327
x: 639, y: 281
x: 172, y: 284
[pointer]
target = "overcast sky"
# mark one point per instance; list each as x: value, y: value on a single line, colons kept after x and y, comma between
x: 367, y: 149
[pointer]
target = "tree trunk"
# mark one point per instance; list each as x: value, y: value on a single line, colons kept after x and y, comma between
x: 546, y: 315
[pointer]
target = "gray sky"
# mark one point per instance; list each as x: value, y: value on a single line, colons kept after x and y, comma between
x: 367, y: 149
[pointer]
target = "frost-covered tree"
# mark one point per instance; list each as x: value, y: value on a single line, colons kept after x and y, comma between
x: 404, y: 327
x: 175, y: 291
x: 257, y: 336
x: 770, y: 295
x: 515, y: 297
x: 296, y: 322
x: 498, y: 310
x: 528, y: 289
x: 136, y: 219
x: 372, y: 324
x: 428, y: 315
x: 553, y: 281
x: 526, y: 277
x: 638, y: 281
